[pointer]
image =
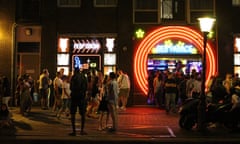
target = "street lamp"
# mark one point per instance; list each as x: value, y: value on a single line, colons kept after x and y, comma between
x: 206, y: 25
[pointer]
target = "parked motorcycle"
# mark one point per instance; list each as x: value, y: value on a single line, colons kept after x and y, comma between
x: 215, y: 113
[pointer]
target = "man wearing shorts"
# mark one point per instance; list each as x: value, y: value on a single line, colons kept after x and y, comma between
x: 78, y: 86
x: 124, y: 89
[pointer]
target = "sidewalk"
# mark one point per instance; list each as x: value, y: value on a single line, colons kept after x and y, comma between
x: 138, y: 124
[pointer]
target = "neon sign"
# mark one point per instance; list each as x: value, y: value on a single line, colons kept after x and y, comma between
x: 77, y: 62
x: 86, y: 46
x: 164, y: 33
x: 169, y: 47
x: 139, y: 33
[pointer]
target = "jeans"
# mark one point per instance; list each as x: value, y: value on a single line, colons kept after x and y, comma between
x: 170, y: 101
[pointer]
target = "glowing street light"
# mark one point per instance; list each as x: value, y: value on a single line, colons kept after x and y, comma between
x: 206, y: 25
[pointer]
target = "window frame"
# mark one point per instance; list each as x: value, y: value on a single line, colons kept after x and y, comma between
x: 69, y: 5
x: 106, y: 4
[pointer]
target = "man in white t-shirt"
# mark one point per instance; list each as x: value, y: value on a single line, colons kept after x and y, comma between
x: 124, y: 89
x: 57, y: 85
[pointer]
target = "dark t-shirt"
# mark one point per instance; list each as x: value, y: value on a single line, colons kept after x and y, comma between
x: 78, y: 86
x: 170, y: 86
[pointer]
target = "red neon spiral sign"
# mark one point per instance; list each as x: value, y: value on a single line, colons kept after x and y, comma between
x: 184, y: 33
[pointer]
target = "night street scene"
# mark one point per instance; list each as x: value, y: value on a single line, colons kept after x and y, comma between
x: 119, y: 71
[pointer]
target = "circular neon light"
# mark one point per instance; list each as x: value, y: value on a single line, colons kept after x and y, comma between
x: 184, y: 33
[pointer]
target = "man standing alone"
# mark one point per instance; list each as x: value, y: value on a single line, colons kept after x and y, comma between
x: 78, y: 86
x: 124, y: 89
x: 112, y: 100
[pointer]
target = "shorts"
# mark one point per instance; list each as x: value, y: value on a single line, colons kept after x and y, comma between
x: 81, y: 104
x: 44, y: 93
x: 124, y: 92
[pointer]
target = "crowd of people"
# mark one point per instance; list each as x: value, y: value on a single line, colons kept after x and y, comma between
x: 89, y: 93
x: 168, y: 90
x: 94, y: 95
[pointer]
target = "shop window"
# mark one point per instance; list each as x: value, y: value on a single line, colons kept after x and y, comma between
x: 105, y: 3
x: 237, y: 54
x: 69, y: 3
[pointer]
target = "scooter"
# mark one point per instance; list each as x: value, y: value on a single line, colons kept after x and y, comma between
x: 221, y: 113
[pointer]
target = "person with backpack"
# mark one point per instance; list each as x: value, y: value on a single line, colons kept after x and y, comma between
x: 78, y: 87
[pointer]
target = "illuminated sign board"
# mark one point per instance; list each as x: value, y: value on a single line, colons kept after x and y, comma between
x: 110, y: 44
x: 86, y: 46
x: 62, y: 59
x: 237, y: 44
x: 171, y: 47
x: 86, y: 61
x: 109, y: 59
x: 63, y: 44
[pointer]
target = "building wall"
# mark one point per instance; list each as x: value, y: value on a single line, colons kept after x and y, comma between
x: 224, y: 22
x: 49, y: 36
x: 7, y: 24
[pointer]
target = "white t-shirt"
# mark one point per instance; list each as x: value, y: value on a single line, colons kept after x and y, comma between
x: 57, y: 82
x: 66, y: 87
x: 123, y: 81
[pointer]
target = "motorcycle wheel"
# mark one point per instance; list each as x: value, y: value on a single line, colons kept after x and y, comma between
x: 186, y: 122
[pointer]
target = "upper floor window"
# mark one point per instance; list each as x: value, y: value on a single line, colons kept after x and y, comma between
x: 200, y: 8
x: 166, y: 9
x: 146, y: 5
x: 105, y: 3
x: 69, y: 3
x: 158, y: 10
x: 236, y: 2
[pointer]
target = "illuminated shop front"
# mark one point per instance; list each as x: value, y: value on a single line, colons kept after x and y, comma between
x: 237, y: 54
x: 167, y: 48
x: 86, y: 53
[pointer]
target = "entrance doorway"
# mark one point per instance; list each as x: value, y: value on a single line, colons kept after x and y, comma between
x: 29, y: 63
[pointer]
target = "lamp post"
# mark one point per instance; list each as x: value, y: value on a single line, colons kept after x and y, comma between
x: 206, y: 25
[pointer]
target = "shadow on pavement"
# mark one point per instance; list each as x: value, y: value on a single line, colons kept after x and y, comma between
x: 42, y: 117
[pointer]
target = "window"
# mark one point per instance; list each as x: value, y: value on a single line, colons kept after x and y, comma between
x: 156, y: 11
x: 146, y: 5
x: 201, y: 4
x: 200, y: 8
x: 145, y: 11
x: 69, y: 3
x: 166, y: 12
x: 236, y: 2
x: 105, y: 3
